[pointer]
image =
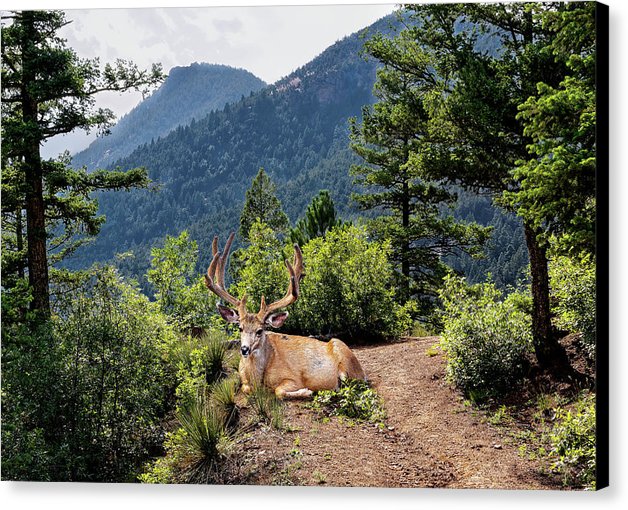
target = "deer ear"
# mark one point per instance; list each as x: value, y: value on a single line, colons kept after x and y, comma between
x: 229, y: 314
x: 276, y: 320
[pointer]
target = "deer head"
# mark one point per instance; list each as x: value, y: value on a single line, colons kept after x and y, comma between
x: 252, y: 326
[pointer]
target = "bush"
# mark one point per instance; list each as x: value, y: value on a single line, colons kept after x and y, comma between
x: 196, y: 450
x: 348, y: 290
x: 199, y: 362
x: 179, y: 290
x: 112, y: 338
x: 354, y: 399
x: 572, y: 443
x: 572, y: 284
x: 90, y: 414
x: 486, y: 338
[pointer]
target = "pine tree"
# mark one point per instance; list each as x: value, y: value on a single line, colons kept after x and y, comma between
x: 478, y: 64
x: 320, y: 217
x: 261, y: 204
x: 47, y: 90
x: 557, y: 179
x: 392, y: 129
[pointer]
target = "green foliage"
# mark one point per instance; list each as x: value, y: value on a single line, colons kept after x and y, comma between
x: 320, y: 217
x: 573, y: 288
x: 223, y: 394
x: 267, y: 407
x: 572, y: 443
x: 202, y: 434
x: 179, y: 290
x: 47, y: 90
x: 486, y: 337
x: 348, y: 290
x: 262, y: 205
x: 82, y: 395
x: 260, y: 270
x: 196, y: 451
x: 558, y: 184
x: 354, y: 399
x: 199, y: 362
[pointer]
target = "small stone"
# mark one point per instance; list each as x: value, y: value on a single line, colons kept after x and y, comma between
x: 497, y: 446
x: 390, y: 427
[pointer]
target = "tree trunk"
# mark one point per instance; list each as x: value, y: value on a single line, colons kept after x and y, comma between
x: 36, y: 236
x: 405, y: 245
x: 546, y: 347
x: 35, y: 207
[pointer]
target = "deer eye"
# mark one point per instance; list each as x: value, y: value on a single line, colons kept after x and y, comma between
x: 259, y: 332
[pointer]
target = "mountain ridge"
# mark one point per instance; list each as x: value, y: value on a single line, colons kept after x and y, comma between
x: 188, y: 92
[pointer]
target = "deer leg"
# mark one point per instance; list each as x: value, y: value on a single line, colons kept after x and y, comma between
x: 289, y: 390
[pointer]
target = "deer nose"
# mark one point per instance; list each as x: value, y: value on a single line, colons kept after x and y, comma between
x: 245, y: 350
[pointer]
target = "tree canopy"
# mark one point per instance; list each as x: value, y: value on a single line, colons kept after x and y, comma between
x: 47, y: 90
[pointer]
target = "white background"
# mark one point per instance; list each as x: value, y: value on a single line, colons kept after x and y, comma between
x: 14, y: 495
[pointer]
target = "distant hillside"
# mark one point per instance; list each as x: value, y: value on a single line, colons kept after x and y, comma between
x: 188, y: 92
x: 297, y: 129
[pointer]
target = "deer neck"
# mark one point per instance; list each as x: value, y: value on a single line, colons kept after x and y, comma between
x: 259, y: 359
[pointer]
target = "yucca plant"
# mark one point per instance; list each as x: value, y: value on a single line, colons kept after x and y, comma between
x: 216, y: 348
x: 268, y: 408
x: 223, y: 395
x: 204, y: 439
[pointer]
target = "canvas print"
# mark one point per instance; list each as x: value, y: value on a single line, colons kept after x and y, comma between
x: 306, y: 245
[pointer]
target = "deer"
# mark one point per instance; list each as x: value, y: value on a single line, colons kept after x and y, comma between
x: 292, y: 366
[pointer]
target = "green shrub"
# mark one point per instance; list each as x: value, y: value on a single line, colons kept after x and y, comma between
x: 223, y: 394
x: 179, y: 290
x: 348, y: 290
x: 195, y: 451
x: 112, y: 338
x: 199, y: 363
x: 486, y: 338
x: 91, y: 412
x: 572, y: 443
x: 572, y: 284
x: 354, y: 399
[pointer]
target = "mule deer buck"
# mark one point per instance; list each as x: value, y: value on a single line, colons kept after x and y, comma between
x: 293, y: 366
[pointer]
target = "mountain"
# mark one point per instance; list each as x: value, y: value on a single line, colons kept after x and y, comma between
x: 297, y: 129
x: 187, y: 93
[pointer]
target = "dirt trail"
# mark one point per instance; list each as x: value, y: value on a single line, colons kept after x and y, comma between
x: 430, y: 439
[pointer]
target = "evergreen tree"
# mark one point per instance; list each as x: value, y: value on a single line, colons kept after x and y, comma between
x: 476, y: 133
x: 557, y: 179
x: 412, y: 206
x: 320, y: 217
x: 48, y: 90
x: 261, y: 204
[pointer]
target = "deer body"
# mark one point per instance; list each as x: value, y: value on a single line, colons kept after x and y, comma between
x: 292, y: 366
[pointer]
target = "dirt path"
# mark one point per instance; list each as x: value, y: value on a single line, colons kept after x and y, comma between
x: 430, y: 439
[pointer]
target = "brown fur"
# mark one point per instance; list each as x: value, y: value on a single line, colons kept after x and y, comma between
x: 288, y: 364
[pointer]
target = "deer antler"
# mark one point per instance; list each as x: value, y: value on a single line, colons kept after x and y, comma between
x: 215, y: 277
x: 296, y: 273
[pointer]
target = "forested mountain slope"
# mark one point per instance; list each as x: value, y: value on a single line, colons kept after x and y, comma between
x: 188, y: 92
x: 297, y: 129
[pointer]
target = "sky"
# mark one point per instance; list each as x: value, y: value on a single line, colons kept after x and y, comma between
x: 269, y: 41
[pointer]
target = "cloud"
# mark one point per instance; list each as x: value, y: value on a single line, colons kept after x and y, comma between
x: 233, y: 25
